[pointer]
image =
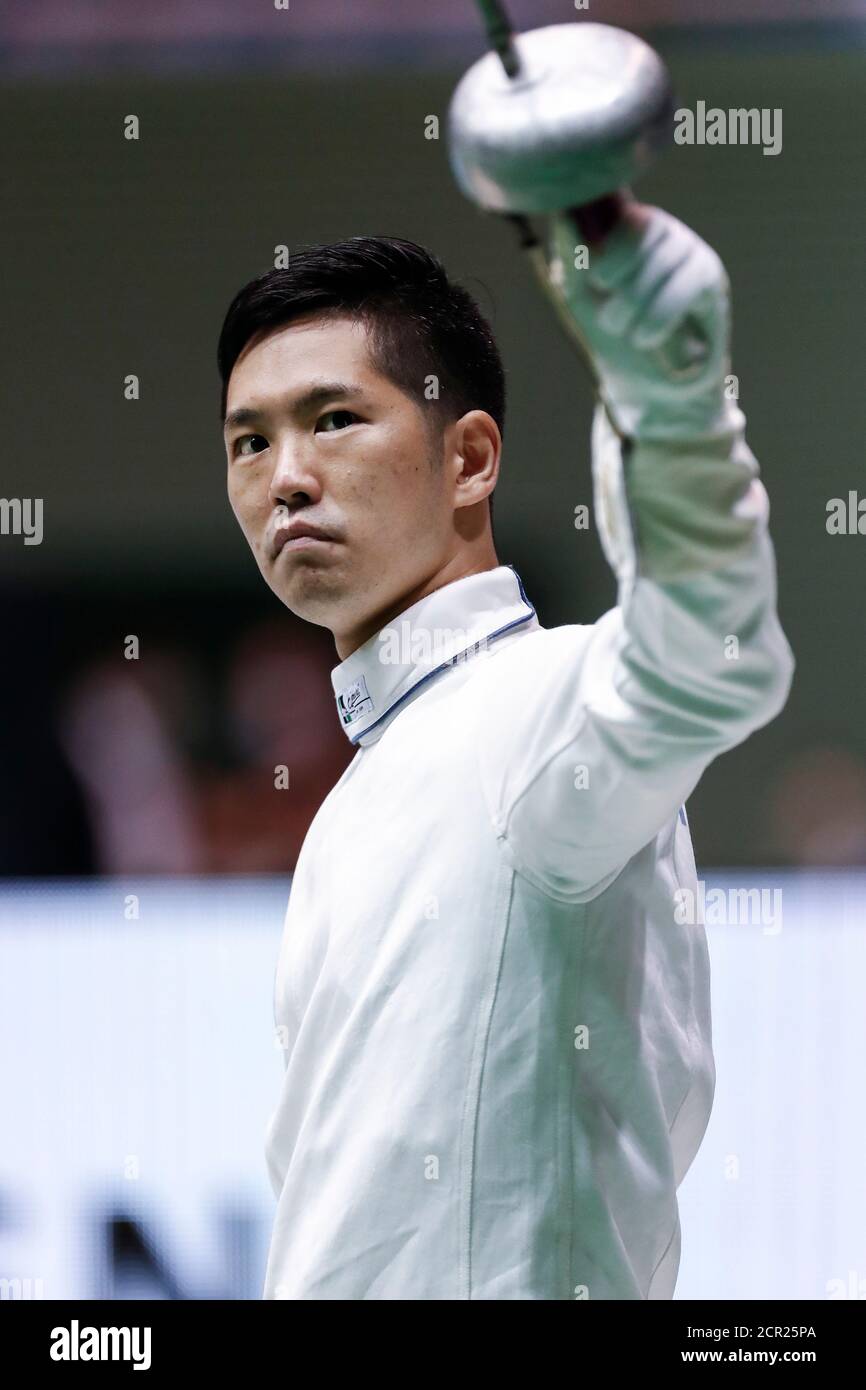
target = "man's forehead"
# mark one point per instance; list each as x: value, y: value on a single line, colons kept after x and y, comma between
x: 302, y: 336
x: 299, y: 353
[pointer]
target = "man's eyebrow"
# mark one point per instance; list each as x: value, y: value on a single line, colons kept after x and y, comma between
x: 299, y: 405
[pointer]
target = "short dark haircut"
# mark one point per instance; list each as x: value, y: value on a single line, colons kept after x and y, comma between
x: 420, y: 323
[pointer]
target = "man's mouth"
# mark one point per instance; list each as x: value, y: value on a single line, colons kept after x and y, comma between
x: 300, y: 536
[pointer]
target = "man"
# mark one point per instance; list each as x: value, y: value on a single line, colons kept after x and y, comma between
x: 496, y: 1021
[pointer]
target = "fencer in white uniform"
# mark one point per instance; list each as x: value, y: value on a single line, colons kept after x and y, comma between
x: 496, y: 1023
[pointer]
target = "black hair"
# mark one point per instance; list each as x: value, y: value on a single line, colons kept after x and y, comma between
x: 421, y: 324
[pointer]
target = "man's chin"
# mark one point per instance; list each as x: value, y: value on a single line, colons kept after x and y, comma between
x: 312, y: 592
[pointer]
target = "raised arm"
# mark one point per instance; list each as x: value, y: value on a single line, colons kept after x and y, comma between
x: 619, y: 720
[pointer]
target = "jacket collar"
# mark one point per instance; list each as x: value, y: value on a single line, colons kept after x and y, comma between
x: 449, y: 625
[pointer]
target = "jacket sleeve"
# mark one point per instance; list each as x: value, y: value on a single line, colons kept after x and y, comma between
x: 626, y: 714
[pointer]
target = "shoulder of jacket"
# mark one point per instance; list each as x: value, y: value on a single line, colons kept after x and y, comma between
x: 518, y: 670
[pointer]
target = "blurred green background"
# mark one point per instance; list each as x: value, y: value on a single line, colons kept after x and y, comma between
x: 121, y: 257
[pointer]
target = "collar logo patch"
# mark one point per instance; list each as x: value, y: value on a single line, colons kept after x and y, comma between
x: 354, y: 702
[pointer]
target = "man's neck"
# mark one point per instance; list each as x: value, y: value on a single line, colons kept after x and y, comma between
x: 458, y: 568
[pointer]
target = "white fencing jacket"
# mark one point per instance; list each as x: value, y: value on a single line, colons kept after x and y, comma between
x: 495, y: 1021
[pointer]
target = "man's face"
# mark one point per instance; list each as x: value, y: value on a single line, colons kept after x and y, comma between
x: 316, y: 436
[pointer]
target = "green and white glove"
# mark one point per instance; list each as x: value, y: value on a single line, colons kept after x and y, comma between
x: 653, y: 309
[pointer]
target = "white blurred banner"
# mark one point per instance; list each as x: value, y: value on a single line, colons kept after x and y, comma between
x: 140, y: 1067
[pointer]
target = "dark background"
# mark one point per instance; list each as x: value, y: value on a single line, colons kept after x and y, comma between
x: 308, y: 126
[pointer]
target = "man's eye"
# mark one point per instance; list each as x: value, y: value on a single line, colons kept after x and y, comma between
x: 250, y: 444
x: 346, y: 416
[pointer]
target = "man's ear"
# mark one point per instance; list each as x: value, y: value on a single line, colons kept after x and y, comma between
x: 475, y: 457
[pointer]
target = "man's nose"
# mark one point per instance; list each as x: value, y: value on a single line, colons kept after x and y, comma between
x: 294, y: 481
